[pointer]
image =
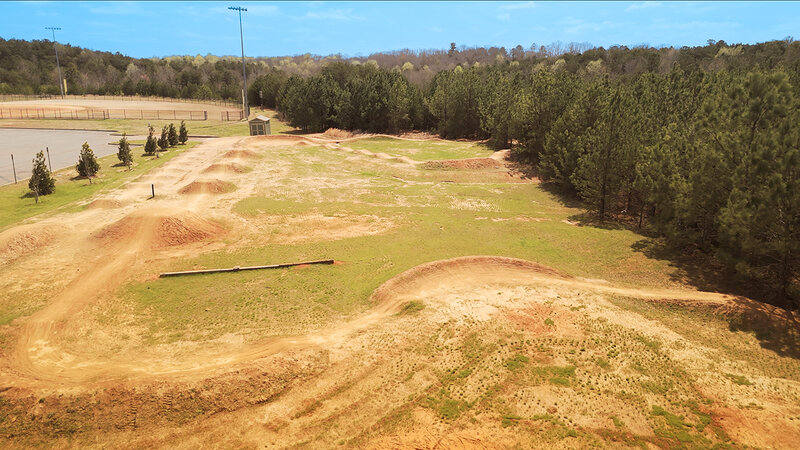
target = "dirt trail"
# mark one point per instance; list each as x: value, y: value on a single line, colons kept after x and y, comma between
x: 121, y: 240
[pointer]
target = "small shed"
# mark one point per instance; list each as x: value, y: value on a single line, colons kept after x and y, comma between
x: 259, y: 125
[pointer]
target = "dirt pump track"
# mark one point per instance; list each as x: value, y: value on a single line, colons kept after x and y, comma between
x: 172, y: 222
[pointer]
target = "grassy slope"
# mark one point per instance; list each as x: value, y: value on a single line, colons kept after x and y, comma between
x: 422, y: 151
x: 16, y: 205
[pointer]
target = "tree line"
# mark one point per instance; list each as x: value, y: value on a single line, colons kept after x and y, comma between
x: 29, y: 67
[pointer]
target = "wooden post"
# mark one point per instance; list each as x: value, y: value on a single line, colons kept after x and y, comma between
x: 48, y: 159
x: 153, y: 190
x: 14, y: 167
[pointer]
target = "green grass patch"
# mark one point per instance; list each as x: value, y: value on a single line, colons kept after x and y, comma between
x: 555, y: 375
x: 672, y: 420
x: 446, y: 407
x: 411, y: 307
x: 517, y: 362
x: 421, y: 150
x: 741, y: 380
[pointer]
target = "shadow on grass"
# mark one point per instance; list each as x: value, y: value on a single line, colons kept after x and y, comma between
x: 295, y: 132
x: 759, y: 309
x: 521, y: 166
x: 776, y: 329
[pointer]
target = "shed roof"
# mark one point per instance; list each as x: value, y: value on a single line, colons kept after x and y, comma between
x: 259, y: 118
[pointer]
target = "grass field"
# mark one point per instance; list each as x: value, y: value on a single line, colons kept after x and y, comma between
x: 422, y: 150
x: 209, y: 127
x: 518, y: 220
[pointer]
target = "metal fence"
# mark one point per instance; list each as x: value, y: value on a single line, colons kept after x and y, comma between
x: 103, y: 114
x: 132, y: 98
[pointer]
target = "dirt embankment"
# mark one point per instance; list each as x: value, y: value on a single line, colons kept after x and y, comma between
x: 159, y: 230
x: 21, y: 241
x: 226, y: 168
x: 216, y: 186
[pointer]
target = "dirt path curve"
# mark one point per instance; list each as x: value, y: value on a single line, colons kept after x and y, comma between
x: 38, y: 357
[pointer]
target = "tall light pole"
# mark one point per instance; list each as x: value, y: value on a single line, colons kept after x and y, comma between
x: 60, y: 80
x: 245, y: 106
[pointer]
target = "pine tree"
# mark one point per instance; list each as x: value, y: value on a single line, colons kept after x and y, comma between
x: 183, y: 134
x: 172, y: 135
x: 609, y: 154
x: 150, y: 145
x: 87, y: 165
x: 124, y: 153
x: 566, y: 141
x: 163, y: 141
x: 759, y: 226
x: 495, y: 108
x: 41, y: 182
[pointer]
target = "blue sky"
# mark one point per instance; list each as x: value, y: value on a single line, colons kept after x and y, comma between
x: 145, y: 29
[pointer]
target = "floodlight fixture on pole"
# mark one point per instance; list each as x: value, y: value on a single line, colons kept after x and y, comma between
x: 245, y: 106
x: 60, y: 80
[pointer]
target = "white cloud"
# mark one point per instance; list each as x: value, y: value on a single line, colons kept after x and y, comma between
x: 504, y: 16
x: 519, y: 5
x: 642, y: 5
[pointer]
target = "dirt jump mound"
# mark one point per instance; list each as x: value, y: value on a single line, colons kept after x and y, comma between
x: 207, y: 187
x: 104, y: 203
x: 467, y: 270
x: 225, y: 168
x: 159, y: 230
x: 21, y: 241
x: 246, y: 154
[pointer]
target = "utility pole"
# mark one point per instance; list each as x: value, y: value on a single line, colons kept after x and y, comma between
x: 245, y: 106
x: 60, y: 80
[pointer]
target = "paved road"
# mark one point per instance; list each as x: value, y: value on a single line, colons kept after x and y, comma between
x: 65, y: 146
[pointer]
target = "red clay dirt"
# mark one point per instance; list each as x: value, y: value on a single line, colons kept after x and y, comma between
x: 225, y: 168
x: 240, y: 154
x: 206, y: 187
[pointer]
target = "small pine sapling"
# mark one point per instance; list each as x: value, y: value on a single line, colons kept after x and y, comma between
x: 172, y: 135
x: 150, y: 146
x: 87, y: 165
x: 41, y: 182
x: 183, y: 134
x: 124, y: 153
x: 163, y: 141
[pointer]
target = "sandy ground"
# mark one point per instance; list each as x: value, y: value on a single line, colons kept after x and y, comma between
x: 341, y: 384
